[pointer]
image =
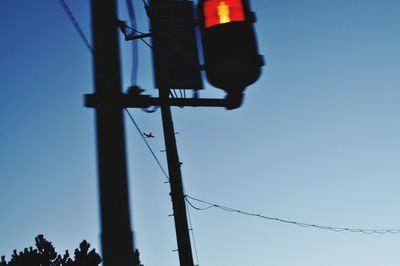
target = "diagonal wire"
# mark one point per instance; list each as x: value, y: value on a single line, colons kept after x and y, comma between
x: 175, y: 94
x: 133, y: 29
x: 71, y: 17
x: 191, y: 229
x: 323, y: 227
x: 192, y: 233
x: 148, y: 44
x: 147, y: 144
x: 143, y: 40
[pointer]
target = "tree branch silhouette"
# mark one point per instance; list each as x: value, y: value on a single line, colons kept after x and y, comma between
x: 45, y: 255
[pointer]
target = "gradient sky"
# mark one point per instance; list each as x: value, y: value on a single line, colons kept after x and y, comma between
x: 316, y: 140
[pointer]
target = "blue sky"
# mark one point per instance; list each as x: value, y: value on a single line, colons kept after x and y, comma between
x: 316, y: 140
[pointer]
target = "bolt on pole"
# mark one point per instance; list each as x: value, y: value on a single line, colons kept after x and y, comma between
x: 116, y: 234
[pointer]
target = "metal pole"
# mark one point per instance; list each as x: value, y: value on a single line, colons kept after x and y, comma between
x: 177, y: 195
x: 116, y: 236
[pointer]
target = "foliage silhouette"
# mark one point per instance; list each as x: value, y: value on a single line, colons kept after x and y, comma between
x: 45, y: 255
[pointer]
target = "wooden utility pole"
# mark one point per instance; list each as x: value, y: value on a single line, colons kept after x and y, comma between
x: 116, y: 234
x: 176, y: 65
x: 176, y: 184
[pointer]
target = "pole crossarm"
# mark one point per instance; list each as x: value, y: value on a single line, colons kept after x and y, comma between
x: 143, y: 101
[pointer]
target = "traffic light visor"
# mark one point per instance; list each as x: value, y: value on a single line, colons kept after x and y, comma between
x: 219, y: 12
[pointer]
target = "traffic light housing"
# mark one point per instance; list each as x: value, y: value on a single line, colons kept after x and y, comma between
x: 175, y: 53
x: 231, y: 57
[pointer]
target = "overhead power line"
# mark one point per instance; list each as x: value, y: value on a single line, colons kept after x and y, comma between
x: 74, y: 22
x: 193, y: 237
x: 147, y: 144
x: 210, y: 205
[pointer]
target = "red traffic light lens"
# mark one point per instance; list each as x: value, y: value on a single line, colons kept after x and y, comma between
x: 219, y: 12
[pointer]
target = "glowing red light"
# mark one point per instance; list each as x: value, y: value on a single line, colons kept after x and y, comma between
x: 222, y: 11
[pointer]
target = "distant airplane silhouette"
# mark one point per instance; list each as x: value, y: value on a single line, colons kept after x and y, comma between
x: 148, y: 135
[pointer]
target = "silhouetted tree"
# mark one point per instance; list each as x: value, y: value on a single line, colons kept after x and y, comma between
x: 45, y: 255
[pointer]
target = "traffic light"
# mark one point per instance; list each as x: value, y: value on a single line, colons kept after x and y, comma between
x: 175, y: 53
x: 231, y: 57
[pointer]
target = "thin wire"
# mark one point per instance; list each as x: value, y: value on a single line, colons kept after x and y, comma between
x: 75, y: 23
x: 324, y: 227
x: 193, y: 238
x: 133, y: 22
x: 135, y: 30
x: 198, y: 208
x: 175, y: 94
x: 148, y: 44
x: 147, y: 144
x: 191, y: 230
